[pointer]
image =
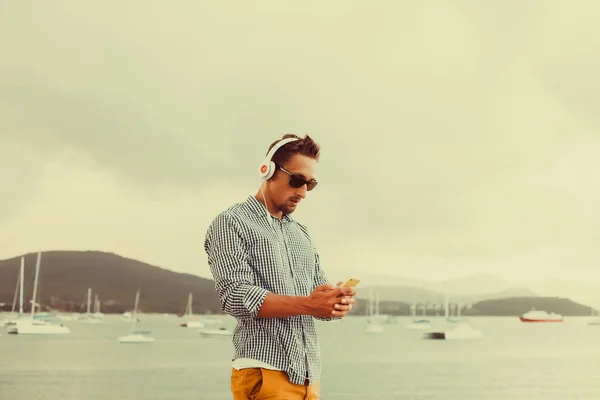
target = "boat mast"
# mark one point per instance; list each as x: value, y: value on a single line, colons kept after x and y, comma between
x: 21, y: 286
x: 89, y: 300
x: 35, y: 283
x: 135, y: 308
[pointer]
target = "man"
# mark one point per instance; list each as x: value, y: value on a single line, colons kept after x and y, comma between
x: 268, y: 276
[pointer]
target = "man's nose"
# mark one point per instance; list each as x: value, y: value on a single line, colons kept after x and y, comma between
x: 301, y: 191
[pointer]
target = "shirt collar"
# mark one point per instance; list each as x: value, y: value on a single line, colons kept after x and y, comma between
x: 257, y: 207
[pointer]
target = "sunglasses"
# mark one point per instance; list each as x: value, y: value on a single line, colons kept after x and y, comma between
x: 297, y: 181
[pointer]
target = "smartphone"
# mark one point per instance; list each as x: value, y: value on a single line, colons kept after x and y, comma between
x: 352, y: 282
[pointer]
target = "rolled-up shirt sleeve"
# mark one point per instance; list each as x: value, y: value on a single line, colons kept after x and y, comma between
x: 233, y: 275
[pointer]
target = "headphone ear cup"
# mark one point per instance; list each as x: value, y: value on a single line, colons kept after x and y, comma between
x: 266, y: 170
x: 263, y: 170
x: 270, y: 171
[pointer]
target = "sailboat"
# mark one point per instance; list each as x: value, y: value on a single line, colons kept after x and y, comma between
x: 136, y: 336
x: 454, y: 318
x: 13, y: 321
x: 191, y: 323
x: 213, y: 332
x: 461, y: 330
x: 33, y: 325
x: 418, y: 323
x: 373, y: 323
x: 97, y: 313
x: 88, y: 316
x: 596, y: 318
x: 448, y: 311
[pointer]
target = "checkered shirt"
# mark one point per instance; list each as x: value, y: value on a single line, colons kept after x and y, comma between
x: 250, y: 254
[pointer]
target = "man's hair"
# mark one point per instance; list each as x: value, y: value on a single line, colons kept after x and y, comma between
x: 305, y: 146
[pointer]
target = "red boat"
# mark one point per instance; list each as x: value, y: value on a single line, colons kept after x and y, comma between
x: 540, y: 316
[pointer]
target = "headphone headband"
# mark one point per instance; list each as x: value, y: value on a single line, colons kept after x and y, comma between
x: 267, y: 168
x: 277, y: 146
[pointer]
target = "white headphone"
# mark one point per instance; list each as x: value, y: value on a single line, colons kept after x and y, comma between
x: 267, y: 168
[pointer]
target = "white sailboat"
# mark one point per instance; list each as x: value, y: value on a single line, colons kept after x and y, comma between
x: 136, y: 336
x: 594, y: 318
x: 453, y: 318
x: 88, y: 316
x: 191, y: 322
x: 447, y: 311
x: 454, y: 330
x: 373, y: 323
x: 418, y: 323
x: 31, y: 325
x: 13, y: 321
x: 97, y: 313
x: 212, y: 332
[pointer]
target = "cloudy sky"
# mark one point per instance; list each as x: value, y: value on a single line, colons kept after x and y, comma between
x: 457, y: 137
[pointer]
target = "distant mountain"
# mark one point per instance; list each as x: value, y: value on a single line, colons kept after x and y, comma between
x: 65, y: 277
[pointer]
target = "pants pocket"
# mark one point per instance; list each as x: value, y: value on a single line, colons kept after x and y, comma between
x: 246, y: 384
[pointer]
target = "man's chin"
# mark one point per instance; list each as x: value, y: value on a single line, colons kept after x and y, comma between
x: 288, y: 210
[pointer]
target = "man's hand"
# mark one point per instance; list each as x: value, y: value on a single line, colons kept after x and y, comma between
x: 327, y: 300
x: 345, y: 304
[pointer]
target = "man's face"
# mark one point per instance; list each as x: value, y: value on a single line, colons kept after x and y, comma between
x: 284, y: 196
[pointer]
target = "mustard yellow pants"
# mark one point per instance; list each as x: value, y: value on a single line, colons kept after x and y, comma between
x: 266, y: 384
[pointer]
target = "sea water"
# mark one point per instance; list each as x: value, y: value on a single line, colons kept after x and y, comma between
x: 512, y: 360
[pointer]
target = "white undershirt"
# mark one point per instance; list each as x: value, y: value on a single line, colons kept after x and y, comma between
x: 242, y: 363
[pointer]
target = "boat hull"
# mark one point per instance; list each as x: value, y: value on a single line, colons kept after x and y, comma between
x: 42, y: 329
x: 435, y: 335
x: 215, y: 333
x: 135, y: 338
x: 523, y: 319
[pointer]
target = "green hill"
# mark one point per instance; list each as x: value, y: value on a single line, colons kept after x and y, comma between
x: 65, y: 277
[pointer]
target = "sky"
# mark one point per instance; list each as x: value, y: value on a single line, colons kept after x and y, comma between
x: 458, y: 137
